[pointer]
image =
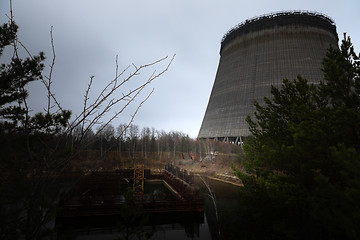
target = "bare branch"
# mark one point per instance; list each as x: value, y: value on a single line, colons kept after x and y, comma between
x: 25, y: 48
x: 93, y: 113
x: 86, y: 98
x: 104, y: 95
x: 116, y: 71
x: 51, y: 71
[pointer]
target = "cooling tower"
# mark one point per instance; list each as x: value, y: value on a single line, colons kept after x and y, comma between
x: 258, y: 53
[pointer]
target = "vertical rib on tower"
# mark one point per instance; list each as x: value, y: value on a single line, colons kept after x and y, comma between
x: 258, y: 53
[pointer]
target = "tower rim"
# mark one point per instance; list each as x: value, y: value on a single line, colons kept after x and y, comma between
x: 283, y: 18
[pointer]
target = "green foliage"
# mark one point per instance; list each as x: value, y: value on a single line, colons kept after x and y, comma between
x: 50, y: 123
x: 32, y: 149
x: 302, y: 176
x: 132, y: 219
x: 14, y: 77
x: 7, y: 34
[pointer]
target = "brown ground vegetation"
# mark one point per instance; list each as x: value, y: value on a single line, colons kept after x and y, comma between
x: 216, y: 165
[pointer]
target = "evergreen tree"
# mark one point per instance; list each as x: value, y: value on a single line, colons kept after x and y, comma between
x: 29, y: 146
x: 14, y: 77
x: 302, y: 161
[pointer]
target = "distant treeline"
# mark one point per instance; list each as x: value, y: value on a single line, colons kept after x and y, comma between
x: 135, y: 143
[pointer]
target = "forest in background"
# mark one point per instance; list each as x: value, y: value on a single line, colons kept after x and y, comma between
x: 123, y: 146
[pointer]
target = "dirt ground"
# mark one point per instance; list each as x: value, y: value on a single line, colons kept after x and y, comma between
x: 217, y: 166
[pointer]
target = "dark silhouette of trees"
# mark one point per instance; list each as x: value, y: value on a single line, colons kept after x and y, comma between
x: 302, y: 161
x: 29, y: 147
x: 37, y: 149
x: 132, y: 219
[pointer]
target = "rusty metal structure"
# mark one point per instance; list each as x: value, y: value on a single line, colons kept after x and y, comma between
x: 258, y: 53
x: 102, y: 193
x: 138, y: 185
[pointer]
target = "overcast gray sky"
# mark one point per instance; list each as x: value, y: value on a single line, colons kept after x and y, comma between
x: 88, y: 34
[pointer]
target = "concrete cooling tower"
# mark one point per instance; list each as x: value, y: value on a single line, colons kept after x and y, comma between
x: 258, y: 53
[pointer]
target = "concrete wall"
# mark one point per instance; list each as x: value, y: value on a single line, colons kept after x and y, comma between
x: 251, y: 63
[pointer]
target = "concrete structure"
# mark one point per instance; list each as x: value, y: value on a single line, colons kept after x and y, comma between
x: 258, y: 53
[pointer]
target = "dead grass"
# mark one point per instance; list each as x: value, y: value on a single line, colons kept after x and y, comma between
x: 217, y: 166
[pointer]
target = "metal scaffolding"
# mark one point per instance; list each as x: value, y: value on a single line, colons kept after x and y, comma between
x: 138, y: 185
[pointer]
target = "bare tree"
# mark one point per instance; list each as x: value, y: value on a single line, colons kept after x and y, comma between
x: 145, y: 139
x: 106, y: 134
x: 133, y: 138
x: 121, y: 136
x: 29, y: 180
x: 94, y: 112
x: 153, y: 140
